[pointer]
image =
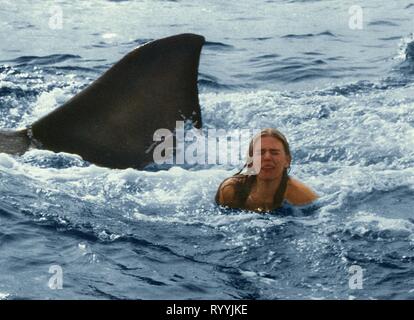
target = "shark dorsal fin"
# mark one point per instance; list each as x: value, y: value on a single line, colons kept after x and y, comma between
x: 112, y: 122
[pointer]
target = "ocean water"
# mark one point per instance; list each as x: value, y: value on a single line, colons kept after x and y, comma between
x: 344, y: 97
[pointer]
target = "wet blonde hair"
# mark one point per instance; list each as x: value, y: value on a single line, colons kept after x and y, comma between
x: 267, y: 132
x: 244, y: 181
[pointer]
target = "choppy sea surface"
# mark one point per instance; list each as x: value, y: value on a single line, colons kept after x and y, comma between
x: 344, y: 97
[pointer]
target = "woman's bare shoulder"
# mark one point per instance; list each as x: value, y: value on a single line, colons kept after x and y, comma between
x: 227, y: 191
x: 227, y: 188
x: 299, y: 194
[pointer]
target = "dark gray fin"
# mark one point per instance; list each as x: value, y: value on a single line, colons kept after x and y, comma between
x: 14, y: 142
x: 111, y: 123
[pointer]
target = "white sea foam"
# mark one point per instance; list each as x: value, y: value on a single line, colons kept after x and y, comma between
x: 46, y: 102
x: 364, y: 221
x: 4, y: 296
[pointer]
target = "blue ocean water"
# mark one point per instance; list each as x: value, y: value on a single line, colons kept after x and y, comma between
x: 344, y: 97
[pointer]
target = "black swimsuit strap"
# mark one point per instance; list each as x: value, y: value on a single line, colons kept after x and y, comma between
x: 245, y: 184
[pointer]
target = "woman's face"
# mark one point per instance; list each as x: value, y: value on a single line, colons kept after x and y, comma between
x: 269, y: 158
